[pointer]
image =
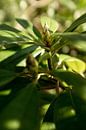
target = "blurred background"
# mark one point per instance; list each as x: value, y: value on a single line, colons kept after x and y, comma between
x: 63, y: 11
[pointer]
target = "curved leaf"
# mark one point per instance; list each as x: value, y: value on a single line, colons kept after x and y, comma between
x: 76, y: 23
x: 8, y: 28
x: 14, y: 59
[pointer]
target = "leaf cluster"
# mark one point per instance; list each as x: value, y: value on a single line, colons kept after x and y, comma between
x: 31, y: 66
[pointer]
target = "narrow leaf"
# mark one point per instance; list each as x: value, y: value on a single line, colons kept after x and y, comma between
x: 13, y: 60
x: 24, y: 23
x: 76, y: 23
x: 8, y: 28
x: 37, y: 33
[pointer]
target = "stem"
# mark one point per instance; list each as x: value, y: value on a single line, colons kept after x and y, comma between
x: 49, y: 64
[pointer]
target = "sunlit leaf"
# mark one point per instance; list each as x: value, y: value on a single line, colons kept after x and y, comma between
x: 44, y: 57
x: 14, y: 59
x: 73, y: 63
x: 48, y: 126
x: 52, y: 24
x: 5, y: 54
x: 76, y: 65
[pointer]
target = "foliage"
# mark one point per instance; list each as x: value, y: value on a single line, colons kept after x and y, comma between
x: 30, y: 66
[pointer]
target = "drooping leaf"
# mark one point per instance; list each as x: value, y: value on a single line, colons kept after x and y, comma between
x: 6, y: 76
x: 13, y: 60
x: 8, y: 28
x: 23, y: 111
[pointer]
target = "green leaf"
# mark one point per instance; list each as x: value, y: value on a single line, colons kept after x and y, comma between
x: 72, y: 36
x: 32, y: 30
x: 24, y: 23
x: 52, y: 24
x: 4, y: 39
x: 22, y: 112
x: 76, y: 65
x: 69, y: 112
x: 14, y: 59
x: 76, y: 23
x: 55, y: 60
x: 37, y: 33
x: 38, y: 51
x: 73, y: 63
x: 49, y: 114
x: 77, y: 82
x: 6, y: 76
x: 65, y: 117
x: 48, y: 126
x: 44, y: 57
x: 8, y: 28
x: 5, y: 54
